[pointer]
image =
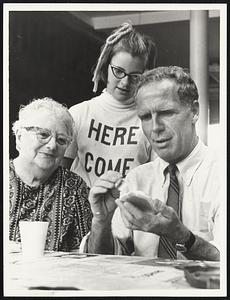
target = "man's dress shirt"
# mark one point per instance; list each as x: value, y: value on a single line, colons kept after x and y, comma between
x: 200, y: 194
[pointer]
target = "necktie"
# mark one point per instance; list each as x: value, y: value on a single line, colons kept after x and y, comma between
x: 166, y: 249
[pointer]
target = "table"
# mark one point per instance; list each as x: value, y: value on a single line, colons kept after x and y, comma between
x: 69, y: 273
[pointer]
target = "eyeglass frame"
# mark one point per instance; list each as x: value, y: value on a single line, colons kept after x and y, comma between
x: 44, y: 141
x: 125, y: 74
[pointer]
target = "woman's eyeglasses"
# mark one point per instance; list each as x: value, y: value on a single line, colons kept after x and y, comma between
x: 44, y: 136
x: 119, y: 73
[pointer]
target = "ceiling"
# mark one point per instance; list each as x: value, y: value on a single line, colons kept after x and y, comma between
x: 169, y: 29
x: 109, y: 19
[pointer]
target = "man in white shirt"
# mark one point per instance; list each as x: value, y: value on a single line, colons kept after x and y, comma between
x: 183, y: 215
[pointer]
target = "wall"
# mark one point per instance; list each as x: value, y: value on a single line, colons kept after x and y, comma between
x: 52, y: 54
x: 51, y: 57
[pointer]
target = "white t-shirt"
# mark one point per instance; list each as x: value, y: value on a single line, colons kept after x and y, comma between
x: 200, y: 194
x: 108, y: 136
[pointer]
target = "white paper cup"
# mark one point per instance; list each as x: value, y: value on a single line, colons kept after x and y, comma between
x: 33, y: 238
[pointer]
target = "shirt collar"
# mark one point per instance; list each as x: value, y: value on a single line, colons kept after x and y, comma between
x: 188, y: 166
x: 163, y: 166
x: 110, y: 101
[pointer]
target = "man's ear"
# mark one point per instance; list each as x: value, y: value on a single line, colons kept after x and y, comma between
x: 195, y: 110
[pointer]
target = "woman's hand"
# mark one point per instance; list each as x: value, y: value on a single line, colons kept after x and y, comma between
x: 103, y: 194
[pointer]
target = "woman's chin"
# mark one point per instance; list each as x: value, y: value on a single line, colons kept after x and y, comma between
x: 47, y: 165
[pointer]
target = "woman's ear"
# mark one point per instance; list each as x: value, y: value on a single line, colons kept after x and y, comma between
x: 195, y: 110
x: 18, y: 139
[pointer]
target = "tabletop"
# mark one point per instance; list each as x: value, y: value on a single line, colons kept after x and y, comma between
x: 71, y: 272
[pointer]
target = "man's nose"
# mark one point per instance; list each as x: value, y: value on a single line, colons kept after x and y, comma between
x: 157, y: 124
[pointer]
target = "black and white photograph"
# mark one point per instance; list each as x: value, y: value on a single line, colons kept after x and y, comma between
x: 114, y: 129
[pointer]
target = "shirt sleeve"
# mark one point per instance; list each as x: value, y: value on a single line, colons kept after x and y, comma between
x: 76, y: 209
x: 214, y: 225
x: 83, y: 246
x: 216, y: 212
x: 213, y: 198
x: 123, y: 237
x: 120, y: 248
x: 83, y: 208
x: 72, y: 149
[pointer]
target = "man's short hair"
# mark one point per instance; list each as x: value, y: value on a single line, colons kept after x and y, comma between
x: 187, y: 89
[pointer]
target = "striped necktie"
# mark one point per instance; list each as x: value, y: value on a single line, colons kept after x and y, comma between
x: 166, y: 249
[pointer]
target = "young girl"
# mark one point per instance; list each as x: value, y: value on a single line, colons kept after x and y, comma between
x: 108, y: 134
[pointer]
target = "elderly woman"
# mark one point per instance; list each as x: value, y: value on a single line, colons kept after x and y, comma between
x: 40, y: 189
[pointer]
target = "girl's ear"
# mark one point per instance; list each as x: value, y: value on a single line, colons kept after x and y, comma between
x: 195, y: 110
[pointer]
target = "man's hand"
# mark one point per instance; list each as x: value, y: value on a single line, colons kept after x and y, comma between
x: 159, y: 219
x: 102, y: 198
x: 103, y: 194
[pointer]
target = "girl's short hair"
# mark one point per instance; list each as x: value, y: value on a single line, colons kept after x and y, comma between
x: 125, y: 38
x: 45, y: 104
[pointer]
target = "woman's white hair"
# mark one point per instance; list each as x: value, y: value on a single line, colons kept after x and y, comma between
x: 45, y: 104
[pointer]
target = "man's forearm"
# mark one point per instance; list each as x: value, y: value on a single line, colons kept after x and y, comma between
x: 100, y: 240
x: 202, y: 250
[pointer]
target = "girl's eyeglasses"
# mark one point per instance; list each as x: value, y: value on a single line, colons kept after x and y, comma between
x: 119, y: 73
x: 44, y: 136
